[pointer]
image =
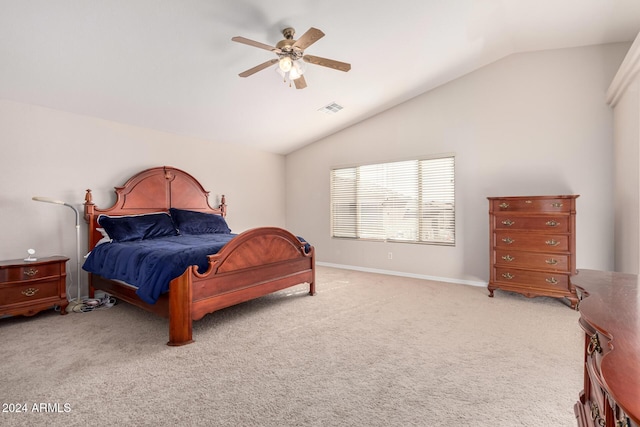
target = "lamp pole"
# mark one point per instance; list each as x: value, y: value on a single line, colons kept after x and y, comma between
x: 60, y: 202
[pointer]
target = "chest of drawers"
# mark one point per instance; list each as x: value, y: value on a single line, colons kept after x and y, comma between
x: 533, y: 249
x: 28, y: 287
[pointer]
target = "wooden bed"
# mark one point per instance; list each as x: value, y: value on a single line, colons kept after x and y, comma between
x: 255, y: 263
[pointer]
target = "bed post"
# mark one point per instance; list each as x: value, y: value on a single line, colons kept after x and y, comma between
x: 89, y: 213
x: 223, y: 206
x: 312, y: 285
x: 180, y: 321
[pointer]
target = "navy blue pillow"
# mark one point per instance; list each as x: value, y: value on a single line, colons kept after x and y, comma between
x: 137, y: 227
x: 192, y: 222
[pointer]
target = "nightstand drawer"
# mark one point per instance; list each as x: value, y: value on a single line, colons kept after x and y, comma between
x: 28, y: 287
x: 29, y: 272
x: 30, y: 291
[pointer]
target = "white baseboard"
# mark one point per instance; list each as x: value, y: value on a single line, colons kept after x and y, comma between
x: 403, y: 274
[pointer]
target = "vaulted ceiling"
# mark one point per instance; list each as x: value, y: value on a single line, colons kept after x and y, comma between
x: 170, y: 65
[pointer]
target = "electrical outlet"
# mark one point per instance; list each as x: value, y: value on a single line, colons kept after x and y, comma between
x: 390, y: 255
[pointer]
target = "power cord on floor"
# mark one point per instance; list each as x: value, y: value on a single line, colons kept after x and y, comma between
x: 91, y: 304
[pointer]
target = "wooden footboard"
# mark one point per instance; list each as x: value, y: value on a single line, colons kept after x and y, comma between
x: 256, y: 263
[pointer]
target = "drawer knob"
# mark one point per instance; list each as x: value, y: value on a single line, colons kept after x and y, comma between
x: 31, y: 272
x: 508, y: 276
x: 552, y: 223
x: 594, y: 345
x: 508, y: 222
x: 508, y: 258
x: 508, y: 240
x: 552, y: 242
x: 551, y: 261
x: 551, y: 280
x: 30, y: 292
x: 504, y: 205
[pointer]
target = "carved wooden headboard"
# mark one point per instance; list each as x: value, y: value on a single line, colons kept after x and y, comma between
x: 152, y: 190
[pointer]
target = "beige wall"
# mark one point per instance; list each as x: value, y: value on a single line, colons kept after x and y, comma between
x: 530, y: 124
x: 58, y: 155
x: 624, y: 97
x: 533, y: 123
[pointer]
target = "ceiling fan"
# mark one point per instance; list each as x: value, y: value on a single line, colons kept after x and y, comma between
x: 290, y: 56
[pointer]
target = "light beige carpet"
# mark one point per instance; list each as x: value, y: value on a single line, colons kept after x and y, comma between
x: 367, y: 350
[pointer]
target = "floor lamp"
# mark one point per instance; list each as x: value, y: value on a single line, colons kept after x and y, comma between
x: 74, y: 306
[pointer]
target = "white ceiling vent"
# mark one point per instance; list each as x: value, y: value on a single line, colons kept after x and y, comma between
x: 331, y: 108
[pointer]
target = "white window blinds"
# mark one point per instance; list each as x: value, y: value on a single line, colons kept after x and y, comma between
x: 407, y: 201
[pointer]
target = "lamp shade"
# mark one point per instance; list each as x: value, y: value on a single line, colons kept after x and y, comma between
x: 48, y: 200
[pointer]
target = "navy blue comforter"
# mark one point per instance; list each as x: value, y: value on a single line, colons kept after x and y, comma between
x: 151, y: 264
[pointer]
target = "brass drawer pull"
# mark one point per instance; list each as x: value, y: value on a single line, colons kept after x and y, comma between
x: 557, y: 205
x: 551, y: 261
x: 508, y: 258
x: 504, y: 205
x: 552, y: 223
x: 595, y: 415
x: 508, y: 276
x: 552, y: 242
x: 551, y: 280
x: 31, y: 272
x: 623, y: 421
x: 508, y: 240
x: 508, y: 222
x: 30, y: 292
x: 594, y: 345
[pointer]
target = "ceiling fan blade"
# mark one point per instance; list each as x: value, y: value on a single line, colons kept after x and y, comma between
x: 307, y: 39
x: 336, y: 65
x: 300, y: 82
x: 257, y: 68
x: 254, y: 43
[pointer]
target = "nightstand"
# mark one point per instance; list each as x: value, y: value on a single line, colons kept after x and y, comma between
x: 28, y: 287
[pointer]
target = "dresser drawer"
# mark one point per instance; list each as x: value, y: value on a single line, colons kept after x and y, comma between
x: 531, y: 241
x: 533, y: 204
x: 28, y: 292
x: 548, y: 223
x: 533, y: 260
x: 29, y: 272
x: 539, y: 280
x: 28, y: 287
x: 597, y: 397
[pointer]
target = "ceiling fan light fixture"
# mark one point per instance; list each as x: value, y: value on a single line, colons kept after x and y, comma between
x: 285, y: 64
x: 297, y: 69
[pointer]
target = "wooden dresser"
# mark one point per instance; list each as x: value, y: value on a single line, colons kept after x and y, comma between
x: 533, y: 245
x: 28, y: 287
x: 610, y: 318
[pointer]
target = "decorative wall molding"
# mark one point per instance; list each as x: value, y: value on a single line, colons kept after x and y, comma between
x: 626, y: 75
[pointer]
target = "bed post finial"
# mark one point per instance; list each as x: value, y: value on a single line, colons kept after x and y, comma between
x: 223, y: 205
x: 88, y: 205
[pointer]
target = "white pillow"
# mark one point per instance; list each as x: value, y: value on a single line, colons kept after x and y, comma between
x: 105, y: 237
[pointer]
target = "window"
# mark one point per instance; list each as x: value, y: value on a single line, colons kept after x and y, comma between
x: 407, y: 201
